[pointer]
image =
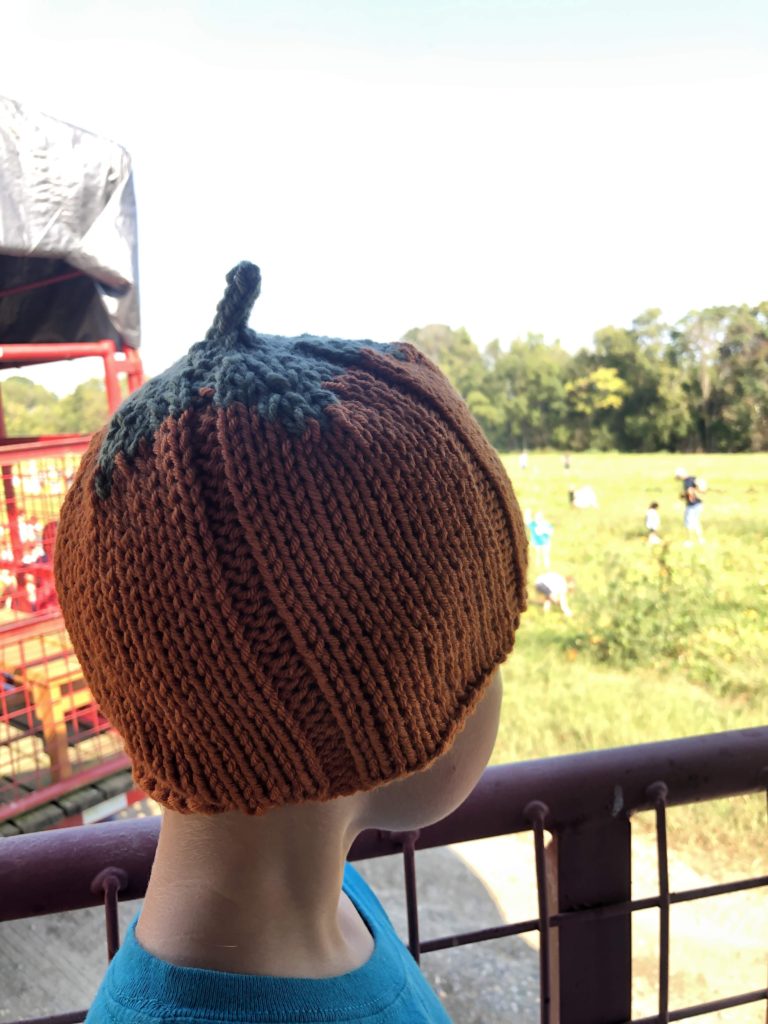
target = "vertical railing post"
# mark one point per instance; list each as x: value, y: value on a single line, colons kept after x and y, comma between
x: 537, y: 813
x: 109, y: 882
x: 112, y: 384
x: 407, y: 841
x: 595, y: 955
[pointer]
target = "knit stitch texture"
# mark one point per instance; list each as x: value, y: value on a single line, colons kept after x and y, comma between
x: 288, y: 567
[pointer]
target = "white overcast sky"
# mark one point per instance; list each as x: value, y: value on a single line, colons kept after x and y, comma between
x: 503, y: 165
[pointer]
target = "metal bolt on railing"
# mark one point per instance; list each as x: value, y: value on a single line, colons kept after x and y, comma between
x: 110, y: 881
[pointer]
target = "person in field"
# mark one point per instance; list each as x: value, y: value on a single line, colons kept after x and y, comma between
x: 554, y: 589
x: 691, y: 495
x: 540, y: 531
x: 653, y: 523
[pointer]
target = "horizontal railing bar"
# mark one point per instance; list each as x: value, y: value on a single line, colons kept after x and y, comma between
x: 590, y: 914
x: 44, y: 447
x: 575, y: 788
x: 652, y: 902
x: 718, y: 890
x: 598, y: 783
x: 700, y: 1008
x: 500, y: 931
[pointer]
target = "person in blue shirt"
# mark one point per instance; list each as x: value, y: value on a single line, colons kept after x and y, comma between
x: 291, y: 569
x: 540, y: 530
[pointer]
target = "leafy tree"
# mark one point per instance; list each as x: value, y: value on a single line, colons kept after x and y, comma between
x: 29, y: 409
x: 739, y: 399
x: 700, y: 384
x: 696, y: 340
x: 453, y: 351
x: 85, y: 410
x: 594, y: 397
x: 529, y: 384
x: 655, y: 413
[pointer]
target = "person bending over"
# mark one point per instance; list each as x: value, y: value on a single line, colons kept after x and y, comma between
x: 291, y: 569
x: 554, y: 589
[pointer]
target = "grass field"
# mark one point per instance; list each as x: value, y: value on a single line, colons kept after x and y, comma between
x: 665, y: 641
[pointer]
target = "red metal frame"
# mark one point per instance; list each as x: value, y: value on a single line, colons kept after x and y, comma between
x: 56, y: 751
x: 116, y: 362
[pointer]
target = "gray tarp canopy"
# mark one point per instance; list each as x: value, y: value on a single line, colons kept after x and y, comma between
x: 68, y: 230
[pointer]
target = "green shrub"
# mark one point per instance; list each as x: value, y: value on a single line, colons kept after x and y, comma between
x: 646, y: 610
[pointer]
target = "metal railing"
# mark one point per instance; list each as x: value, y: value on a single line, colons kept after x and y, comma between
x: 584, y: 801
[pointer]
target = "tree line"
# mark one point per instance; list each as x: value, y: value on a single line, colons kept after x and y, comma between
x: 30, y: 410
x: 698, y: 385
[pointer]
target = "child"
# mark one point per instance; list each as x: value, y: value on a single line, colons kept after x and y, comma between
x: 291, y: 568
x: 653, y: 523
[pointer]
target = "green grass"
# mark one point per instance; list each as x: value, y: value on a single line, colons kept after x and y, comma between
x: 656, y: 649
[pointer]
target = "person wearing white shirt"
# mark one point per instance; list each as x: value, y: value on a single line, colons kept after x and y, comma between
x: 554, y: 588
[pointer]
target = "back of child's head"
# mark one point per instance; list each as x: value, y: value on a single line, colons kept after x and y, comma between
x: 288, y: 567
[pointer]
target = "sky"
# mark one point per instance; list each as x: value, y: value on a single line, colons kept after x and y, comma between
x: 509, y: 166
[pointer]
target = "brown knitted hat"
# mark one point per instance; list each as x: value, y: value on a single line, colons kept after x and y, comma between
x: 288, y: 567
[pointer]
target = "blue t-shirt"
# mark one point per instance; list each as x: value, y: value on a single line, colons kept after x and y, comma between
x: 389, y: 988
x: 541, y: 532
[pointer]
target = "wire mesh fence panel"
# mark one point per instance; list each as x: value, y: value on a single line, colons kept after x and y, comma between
x: 53, y: 738
x: 50, y: 727
x: 33, y: 489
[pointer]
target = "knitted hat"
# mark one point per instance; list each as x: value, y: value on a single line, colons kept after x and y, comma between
x: 288, y: 566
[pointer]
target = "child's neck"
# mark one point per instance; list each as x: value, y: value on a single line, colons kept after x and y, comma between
x: 256, y: 895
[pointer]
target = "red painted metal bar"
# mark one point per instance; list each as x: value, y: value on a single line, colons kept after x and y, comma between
x: 39, y: 624
x: 112, y: 384
x: 110, y: 882
x: 600, y: 913
x: 133, y: 369
x: 44, y: 447
x: 11, y: 506
x: 83, y: 777
x: 500, y: 931
x: 53, y: 351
